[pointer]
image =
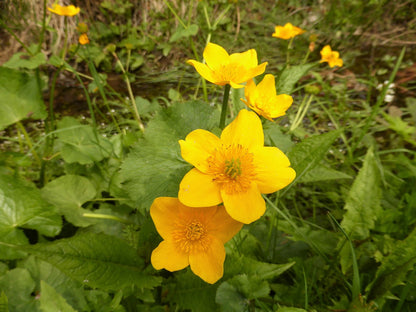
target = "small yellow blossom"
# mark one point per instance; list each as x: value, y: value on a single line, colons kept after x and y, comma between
x: 332, y: 57
x: 191, y: 236
x: 69, y: 10
x: 83, y: 39
x: 263, y: 99
x: 287, y: 32
x: 222, y: 68
x: 234, y: 169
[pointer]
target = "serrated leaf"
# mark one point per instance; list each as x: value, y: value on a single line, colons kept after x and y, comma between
x: 363, y: 203
x: 68, y: 193
x: 155, y: 167
x: 305, y: 155
x: 190, y: 292
x: 96, y: 260
x: 80, y: 143
x: 50, y: 300
x: 18, y: 286
x: 21, y: 206
x: 394, y: 267
x: 20, y: 97
x: 290, y: 76
x: 322, y: 173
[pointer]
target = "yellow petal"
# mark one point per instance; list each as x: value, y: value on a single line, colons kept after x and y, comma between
x: 252, y: 72
x: 164, y: 212
x: 248, y: 59
x: 198, y: 146
x: 222, y: 226
x: 245, y: 130
x: 203, y: 70
x: 167, y: 256
x: 267, y: 87
x: 245, y: 207
x: 235, y: 85
x: 326, y: 51
x: 279, y: 105
x: 198, y: 190
x: 209, y: 264
x: 215, y: 56
x: 272, y: 169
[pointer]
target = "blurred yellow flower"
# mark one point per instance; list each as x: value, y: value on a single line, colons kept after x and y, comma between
x: 69, y: 10
x: 222, y: 68
x: 332, y: 57
x: 263, y: 99
x: 287, y: 32
x: 234, y: 169
x: 191, y: 236
x: 83, y: 39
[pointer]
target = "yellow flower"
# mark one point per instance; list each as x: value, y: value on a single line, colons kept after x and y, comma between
x: 69, y: 10
x: 222, y: 68
x: 192, y: 236
x: 234, y: 169
x: 263, y: 99
x: 287, y: 32
x: 83, y: 39
x: 332, y: 57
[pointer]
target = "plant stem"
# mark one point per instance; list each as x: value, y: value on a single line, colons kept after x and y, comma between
x: 289, y: 46
x: 28, y: 141
x: 105, y: 216
x: 224, y: 105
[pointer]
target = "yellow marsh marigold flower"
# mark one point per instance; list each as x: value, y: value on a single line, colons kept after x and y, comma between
x: 287, y: 32
x: 234, y: 169
x: 332, y: 57
x: 83, y: 39
x: 69, y: 10
x: 222, y: 68
x: 192, y: 236
x: 263, y: 99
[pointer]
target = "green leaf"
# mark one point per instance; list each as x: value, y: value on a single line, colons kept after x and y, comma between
x: 273, y: 136
x: 181, y: 32
x: 394, y: 267
x: 20, y: 97
x: 50, y: 300
x: 18, y: 286
x: 236, y: 293
x: 322, y: 173
x: 190, y: 292
x: 363, y: 202
x: 307, y: 154
x: 68, y: 193
x: 96, y: 260
x: 290, y: 76
x: 155, y: 167
x: 80, y: 143
x: 4, y: 306
x: 21, y: 206
x: 24, y: 60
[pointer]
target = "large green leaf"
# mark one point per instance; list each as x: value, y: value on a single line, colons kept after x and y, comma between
x: 50, y: 300
x: 323, y: 173
x: 394, y: 267
x: 155, y: 166
x: 25, y: 60
x: 305, y: 155
x: 363, y: 202
x: 68, y: 193
x: 96, y: 260
x: 290, y: 76
x: 20, y: 97
x: 21, y: 206
x: 80, y: 144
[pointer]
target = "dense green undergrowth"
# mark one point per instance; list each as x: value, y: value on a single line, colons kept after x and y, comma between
x: 77, y: 179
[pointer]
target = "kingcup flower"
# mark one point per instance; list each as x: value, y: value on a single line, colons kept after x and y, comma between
x: 69, y: 10
x: 222, y: 68
x: 83, y: 39
x: 287, y: 32
x: 191, y: 236
x: 263, y: 99
x: 332, y: 57
x: 234, y: 169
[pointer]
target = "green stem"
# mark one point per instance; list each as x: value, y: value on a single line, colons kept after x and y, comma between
x: 301, y: 113
x: 106, y: 217
x: 224, y: 105
x: 174, y: 13
x: 289, y: 46
x: 28, y: 141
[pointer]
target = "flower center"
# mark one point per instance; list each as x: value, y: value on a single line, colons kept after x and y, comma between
x: 194, y: 231
x: 232, y: 168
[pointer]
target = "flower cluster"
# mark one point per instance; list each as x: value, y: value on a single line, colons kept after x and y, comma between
x: 231, y: 172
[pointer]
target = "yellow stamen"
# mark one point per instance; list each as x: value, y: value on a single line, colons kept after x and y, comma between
x: 191, y: 236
